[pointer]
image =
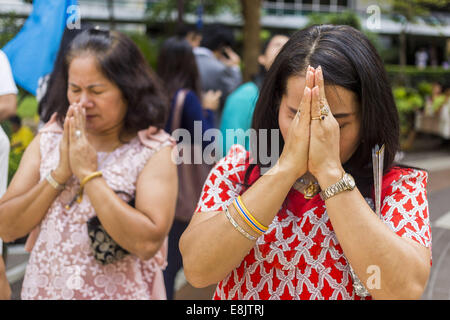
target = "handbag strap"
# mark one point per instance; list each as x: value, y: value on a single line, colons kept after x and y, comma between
x: 178, y: 110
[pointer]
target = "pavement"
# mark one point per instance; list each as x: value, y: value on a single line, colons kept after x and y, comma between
x: 428, y: 155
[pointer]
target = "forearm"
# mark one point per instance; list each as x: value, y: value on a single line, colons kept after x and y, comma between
x: 19, y: 215
x: 5, y: 290
x: 8, y: 105
x: 213, y: 248
x: 129, y: 227
x: 370, y: 245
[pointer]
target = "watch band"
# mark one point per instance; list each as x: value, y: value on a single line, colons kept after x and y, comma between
x: 338, y: 187
x: 54, y: 183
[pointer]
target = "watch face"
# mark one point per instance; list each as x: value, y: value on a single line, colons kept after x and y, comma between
x: 350, y: 181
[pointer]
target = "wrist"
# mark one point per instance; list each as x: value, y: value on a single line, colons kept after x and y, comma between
x: 59, y: 176
x: 292, y: 168
x: 286, y: 171
x: 82, y: 175
x: 329, y: 177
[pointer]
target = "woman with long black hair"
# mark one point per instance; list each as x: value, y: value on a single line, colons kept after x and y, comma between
x: 306, y: 228
x: 179, y: 73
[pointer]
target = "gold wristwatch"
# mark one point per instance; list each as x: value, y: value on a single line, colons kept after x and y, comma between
x: 346, y: 183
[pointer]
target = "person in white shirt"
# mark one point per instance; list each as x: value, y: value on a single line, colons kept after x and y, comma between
x: 8, y: 104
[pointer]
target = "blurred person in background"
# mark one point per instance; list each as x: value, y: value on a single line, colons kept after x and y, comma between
x: 239, y: 106
x: 8, y: 105
x: 218, y: 64
x: 191, y: 34
x: 178, y: 70
x: 21, y: 135
x: 95, y: 187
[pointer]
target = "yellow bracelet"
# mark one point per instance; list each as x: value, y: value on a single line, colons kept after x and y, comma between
x: 86, y: 180
x: 247, y: 217
x: 90, y: 177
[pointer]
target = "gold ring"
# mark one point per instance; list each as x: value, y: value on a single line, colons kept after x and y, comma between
x: 325, y: 110
x: 322, y: 117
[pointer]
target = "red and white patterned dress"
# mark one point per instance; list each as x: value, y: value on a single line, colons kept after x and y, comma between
x: 299, y: 257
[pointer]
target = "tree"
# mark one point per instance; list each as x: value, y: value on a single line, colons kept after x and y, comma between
x: 408, y: 11
x: 112, y: 24
x: 162, y: 11
x: 251, y: 13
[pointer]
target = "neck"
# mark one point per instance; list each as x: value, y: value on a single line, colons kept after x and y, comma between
x: 106, y: 141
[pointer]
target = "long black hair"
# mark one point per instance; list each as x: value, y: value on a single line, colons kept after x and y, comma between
x: 349, y: 60
x: 122, y: 63
x: 177, y: 67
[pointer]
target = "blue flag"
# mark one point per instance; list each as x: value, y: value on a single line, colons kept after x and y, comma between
x: 33, y: 51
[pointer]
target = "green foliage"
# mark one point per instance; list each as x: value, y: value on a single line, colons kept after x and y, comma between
x: 149, y: 47
x: 13, y: 165
x: 163, y: 10
x: 407, y: 99
x: 410, y: 9
x: 349, y: 18
x: 424, y: 88
x: 437, y: 103
x: 413, y: 76
x: 9, y: 26
x: 28, y: 107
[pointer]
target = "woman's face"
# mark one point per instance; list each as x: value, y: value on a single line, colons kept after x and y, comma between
x: 344, y: 107
x: 101, y: 98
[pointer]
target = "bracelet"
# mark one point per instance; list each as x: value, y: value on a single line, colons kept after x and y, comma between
x: 53, y: 182
x: 90, y: 177
x: 86, y: 180
x: 248, y: 218
x: 238, y: 227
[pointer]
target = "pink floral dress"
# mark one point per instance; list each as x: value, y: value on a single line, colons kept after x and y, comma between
x: 61, y: 264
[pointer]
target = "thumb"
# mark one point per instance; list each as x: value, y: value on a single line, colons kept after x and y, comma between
x: 65, y: 137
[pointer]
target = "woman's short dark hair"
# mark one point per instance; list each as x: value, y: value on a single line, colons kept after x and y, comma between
x: 348, y: 60
x: 177, y: 67
x: 217, y: 36
x: 120, y: 61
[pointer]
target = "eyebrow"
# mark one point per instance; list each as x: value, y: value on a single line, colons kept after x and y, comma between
x: 89, y: 86
x: 343, y: 115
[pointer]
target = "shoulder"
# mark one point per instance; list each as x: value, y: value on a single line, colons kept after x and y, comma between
x: 233, y: 165
x: 52, y: 126
x: 155, y: 139
x: 191, y: 98
x: 405, y: 179
x: 246, y: 91
x: 50, y: 135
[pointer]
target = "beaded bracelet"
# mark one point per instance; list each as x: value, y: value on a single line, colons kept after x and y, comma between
x: 248, y: 218
x: 238, y: 227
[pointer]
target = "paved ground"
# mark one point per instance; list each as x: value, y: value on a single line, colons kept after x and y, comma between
x: 431, y: 157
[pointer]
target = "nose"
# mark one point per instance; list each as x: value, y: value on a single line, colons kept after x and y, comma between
x: 85, y: 101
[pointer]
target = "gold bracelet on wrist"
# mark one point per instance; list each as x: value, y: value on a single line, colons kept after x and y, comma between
x: 86, y: 180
